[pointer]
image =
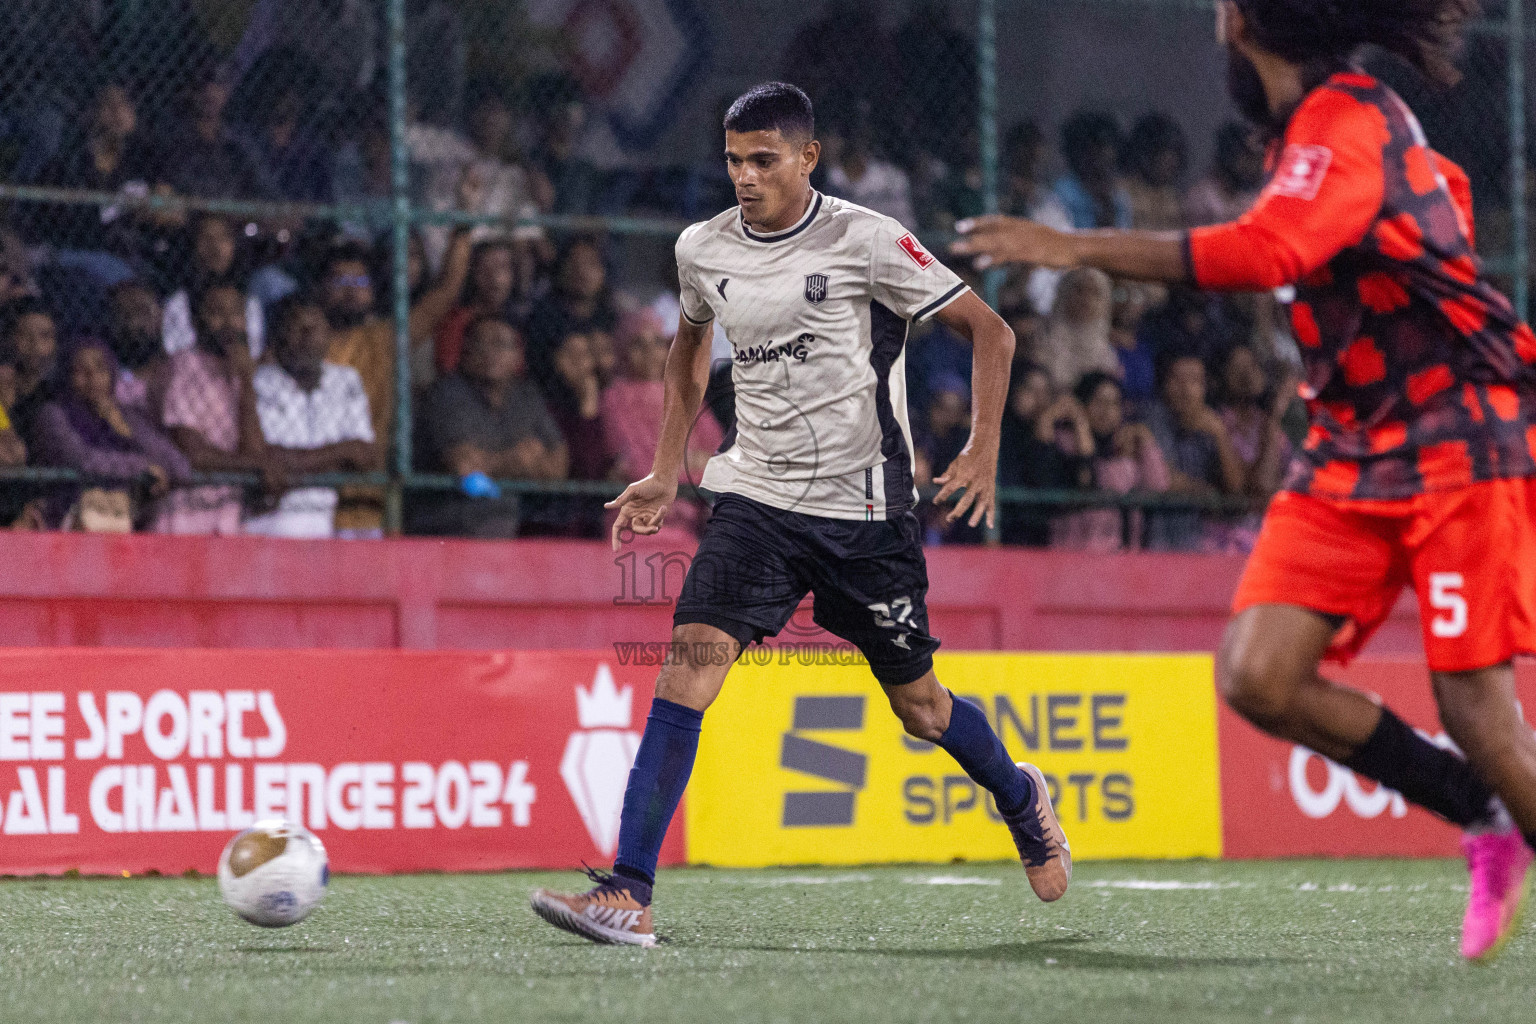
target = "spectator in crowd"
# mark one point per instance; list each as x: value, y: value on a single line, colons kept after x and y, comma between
x: 208, y: 158
x: 13, y: 451
x: 85, y: 429
x: 857, y: 174
x: 209, y: 410
x: 935, y: 112
x: 1253, y: 413
x: 580, y: 302
x: 288, y: 152
x: 1138, y: 362
x: 1046, y: 445
x: 511, y: 188
x: 941, y: 437
x: 18, y: 509
x: 134, y: 331
x: 1026, y: 194
x: 1077, y: 334
x: 213, y: 255
x: 568, y: 377
x: 485, y: 420
x: 1156, y: 157
x: 108, y: 154
x: 632, y: 413
x: 432, y: 299
x: 1201, y: 459
x: 365, y: 342
x: 314, y: 419
x: 29, y: 342
x: 573, y: 393
x: 362, y: 174
x: 572, y: 177
x: 1091, y: 191
x: 1233, y: 184
x: 1126, y: 458
x: 16, y: 279
x: 1192, y: 322
x: 487, y: 292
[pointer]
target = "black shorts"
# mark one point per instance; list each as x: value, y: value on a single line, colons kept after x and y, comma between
x: 755, y: 564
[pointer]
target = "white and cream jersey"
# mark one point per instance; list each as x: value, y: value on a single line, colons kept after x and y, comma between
x: 817, y: 316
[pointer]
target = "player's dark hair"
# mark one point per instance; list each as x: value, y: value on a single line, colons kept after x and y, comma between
x: 1425, y: 33
x: 773, y: 105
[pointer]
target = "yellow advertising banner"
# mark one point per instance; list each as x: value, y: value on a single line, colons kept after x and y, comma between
x: 805, y: 764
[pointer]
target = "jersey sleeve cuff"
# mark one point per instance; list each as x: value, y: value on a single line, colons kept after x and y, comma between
x: 1188, y: 247
x: 940, y: 302
x: 697, y: 323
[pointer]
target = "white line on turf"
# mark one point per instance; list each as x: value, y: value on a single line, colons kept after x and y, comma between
x: 952, y: 880
x: 1157, y: 885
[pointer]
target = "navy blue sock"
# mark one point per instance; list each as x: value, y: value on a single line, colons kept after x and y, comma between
x: 656, y: 783
x: 971, y: 742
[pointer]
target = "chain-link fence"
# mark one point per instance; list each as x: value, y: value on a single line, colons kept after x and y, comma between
x: 363, y: 265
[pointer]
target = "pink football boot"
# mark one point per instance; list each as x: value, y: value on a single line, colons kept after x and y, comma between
x: 1498, y: 862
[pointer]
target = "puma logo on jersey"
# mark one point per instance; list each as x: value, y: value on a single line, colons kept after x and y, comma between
x: 613, y: 917
x: 721, y: 288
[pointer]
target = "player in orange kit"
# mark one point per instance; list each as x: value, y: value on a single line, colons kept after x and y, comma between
x: 1419, y: 466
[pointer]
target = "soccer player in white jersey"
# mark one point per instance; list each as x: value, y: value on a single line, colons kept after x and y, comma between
x: 815, y: 486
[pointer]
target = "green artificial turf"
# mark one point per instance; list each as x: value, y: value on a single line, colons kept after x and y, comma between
x: 1363, y: 941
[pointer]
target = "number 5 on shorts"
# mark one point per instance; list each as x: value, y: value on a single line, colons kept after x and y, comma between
x: 1445, y: 596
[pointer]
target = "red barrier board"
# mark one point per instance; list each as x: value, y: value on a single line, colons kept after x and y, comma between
x: 1281, y: 800
x: 140, y: 760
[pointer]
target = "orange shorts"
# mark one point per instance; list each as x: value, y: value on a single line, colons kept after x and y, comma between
x: 1469, y: 553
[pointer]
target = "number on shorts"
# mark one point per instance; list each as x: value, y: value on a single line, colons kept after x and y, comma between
x: 1444, y: 596
x: 893, y: 615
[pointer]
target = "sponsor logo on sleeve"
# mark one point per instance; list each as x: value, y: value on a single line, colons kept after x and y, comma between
x: 1302, y: 170
x: 915, y: 252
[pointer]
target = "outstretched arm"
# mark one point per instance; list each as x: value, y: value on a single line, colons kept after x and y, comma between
x: 975, y: 468
x: 1324, y: 198
x: 1137, y: 255
x: 644, y: 503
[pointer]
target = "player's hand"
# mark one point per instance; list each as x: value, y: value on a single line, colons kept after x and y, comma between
x: 642, y: 508
x: 997, y: 240
x: 975, y: 471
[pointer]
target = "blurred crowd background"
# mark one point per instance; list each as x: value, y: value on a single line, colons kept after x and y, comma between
x: 210, y: 324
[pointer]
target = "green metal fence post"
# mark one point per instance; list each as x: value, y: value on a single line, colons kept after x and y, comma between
x: 1520, y: 214
x: 400, y: 216
x: 986, y: 109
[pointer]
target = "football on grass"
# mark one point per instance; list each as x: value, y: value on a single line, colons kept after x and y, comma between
x: 273, y: 874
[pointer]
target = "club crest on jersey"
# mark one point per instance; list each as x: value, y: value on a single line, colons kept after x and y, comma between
x: 815, y: 288
x: 915, y: 252
x: 1302, y: 170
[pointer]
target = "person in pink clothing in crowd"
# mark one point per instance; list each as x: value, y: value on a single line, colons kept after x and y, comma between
x: 1126, y: 459
x: 632, y: 408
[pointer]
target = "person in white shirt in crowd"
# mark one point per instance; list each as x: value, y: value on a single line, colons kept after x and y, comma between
x: 314, y: 415
x: 856, y: 174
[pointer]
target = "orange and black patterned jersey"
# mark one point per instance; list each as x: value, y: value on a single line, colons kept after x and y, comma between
x: 1419, y: 373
